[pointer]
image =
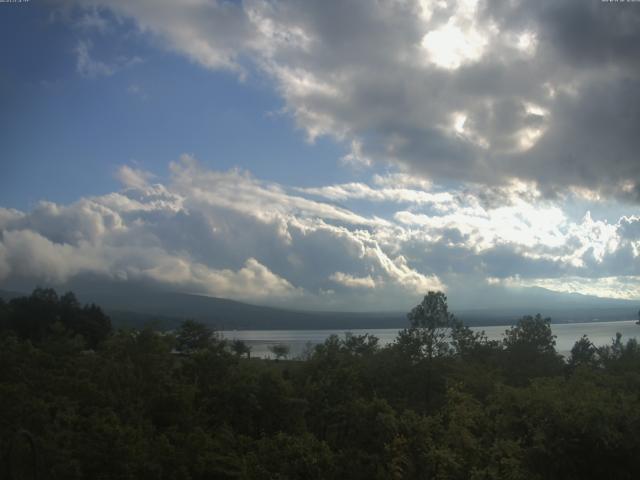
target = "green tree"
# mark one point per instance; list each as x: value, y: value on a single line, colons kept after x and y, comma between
x: 620, y: 356
x: 583, y: 352
x: 430, y: 327
x: 280, y: 350
x: 466, y: 342
x: 32, y: 317
x: 285, y: 456
x: 240, y: 348
x: 530, y: 350
x: 533, y: 333
x: 4, y: 315
x: 193, y: 336
x: 361, y: 345
x: 90, y: 322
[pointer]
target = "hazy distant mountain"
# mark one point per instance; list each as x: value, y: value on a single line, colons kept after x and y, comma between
x: 227, y: 314
x: 167, y: 309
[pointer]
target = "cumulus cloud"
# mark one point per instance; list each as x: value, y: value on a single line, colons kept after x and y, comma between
x: 239, y: 191
x: 467, y: 90
x: 29, y: 254
x: 501, y: 125
x: 114, y: 257
x: 217, y: 233
x: 230, y: 234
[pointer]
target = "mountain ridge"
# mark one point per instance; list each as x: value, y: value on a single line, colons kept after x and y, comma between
x: 167, y: 309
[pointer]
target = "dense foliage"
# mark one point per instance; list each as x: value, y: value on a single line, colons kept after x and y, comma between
x: 80, y: 401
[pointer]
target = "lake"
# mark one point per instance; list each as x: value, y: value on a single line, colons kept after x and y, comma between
x: 600, y: 333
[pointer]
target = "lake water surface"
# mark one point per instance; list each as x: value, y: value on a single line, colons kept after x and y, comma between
x: 600, y: 333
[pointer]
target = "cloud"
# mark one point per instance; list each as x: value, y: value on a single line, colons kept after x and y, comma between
x: 355, y: 157
x: 363, y: 191
x: 29, y: 254
x: 508, y: 131
x: 252, y: 281
x: 211, y: 33
x: 91, y: 19
x: 133, y: 178
x: 626, y: 287
x: 227, y: 233
x: 351, y: 281
x: 237, y: 190
x: 5, y: 269
x: 86, y: 65
x: 217, y: 233
x: 468, y: 91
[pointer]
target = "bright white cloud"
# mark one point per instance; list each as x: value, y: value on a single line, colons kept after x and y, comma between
x: 515, y: 111
x: 218, y: 233
x: 387, y: 194
x: 238, y: 190
x: 230, y: 234
x: 621, y: 287
x: 402, y: 180
x: 252, y: 281
x: 351, y: 281
x: 459, y: 40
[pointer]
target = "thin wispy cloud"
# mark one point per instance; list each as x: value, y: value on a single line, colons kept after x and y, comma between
x: 87, y: 65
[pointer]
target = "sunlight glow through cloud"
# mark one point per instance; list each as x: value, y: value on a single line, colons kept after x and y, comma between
x: 263, y: 240
x: 457, y: 41
x: 419, y: 144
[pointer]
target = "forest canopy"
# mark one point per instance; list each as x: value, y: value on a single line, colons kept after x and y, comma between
x: 81, y: 400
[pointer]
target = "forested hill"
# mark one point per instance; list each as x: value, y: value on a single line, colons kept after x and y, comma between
x: 167, y: 309
x: 224, y: 314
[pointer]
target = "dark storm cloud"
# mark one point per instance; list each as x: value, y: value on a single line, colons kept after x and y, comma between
x: 586, y: 34
x: 592, y: 139
x: 578, y: 89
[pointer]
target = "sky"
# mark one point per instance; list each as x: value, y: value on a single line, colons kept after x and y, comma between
x: 322, y: 154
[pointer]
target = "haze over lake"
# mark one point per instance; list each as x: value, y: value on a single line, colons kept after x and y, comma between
x: 600, y: 333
